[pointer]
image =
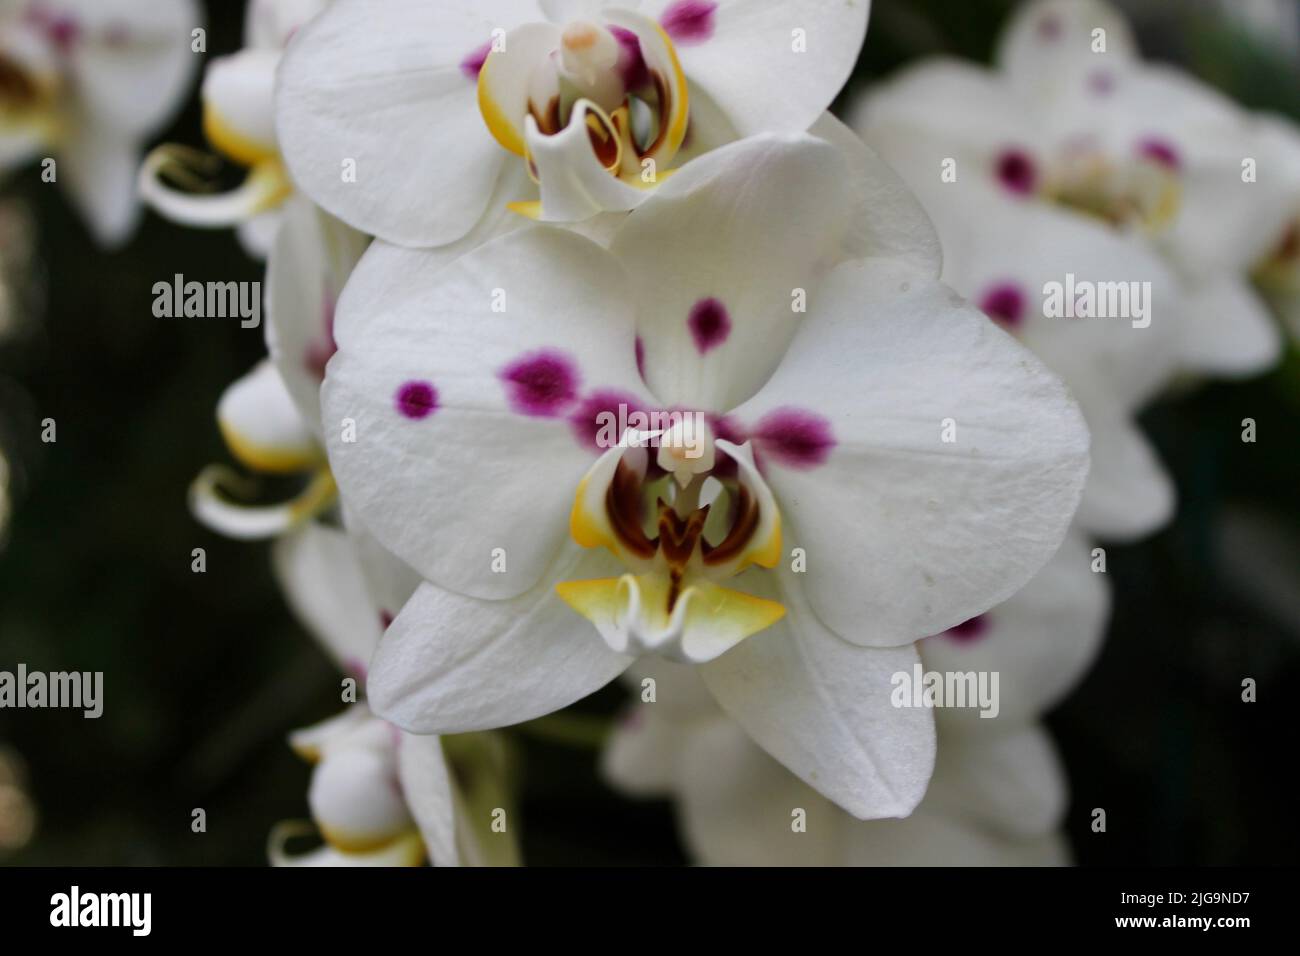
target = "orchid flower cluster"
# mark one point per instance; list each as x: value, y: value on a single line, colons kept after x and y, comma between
x: 598, y: 349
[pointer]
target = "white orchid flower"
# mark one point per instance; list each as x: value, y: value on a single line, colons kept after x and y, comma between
x: 997, y: 795
x: 270, y: 418
x: 1072, y: 118
x: 409, y: 119
x: 380, y: 796
x: 478, y: 459
x: 84, y: 82
x: 238, y: 120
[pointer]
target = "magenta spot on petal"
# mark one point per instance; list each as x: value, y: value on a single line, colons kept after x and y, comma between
x: 386, y: 619
x: 417, y: 400
x: 631, y: 62
x: 1161, y: 152
x: 598, y: 420
x: 689, y: 21
x: 969, y: 630
x: 1005, y: 304
x: 794, y: 437
x: 472, y: 65
x: 541, y: 384
x: 1049, y: 27
x: 709, y: 324
x: 640, y: 356
x: 1016, y: 171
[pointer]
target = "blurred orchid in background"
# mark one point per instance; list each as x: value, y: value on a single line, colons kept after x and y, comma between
x: 83, y: 83
x: 239, y: 122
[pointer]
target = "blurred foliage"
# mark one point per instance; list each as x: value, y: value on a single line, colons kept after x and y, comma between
x: 205, y: 674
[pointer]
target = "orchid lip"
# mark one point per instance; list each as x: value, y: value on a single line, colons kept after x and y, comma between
x: 265, y: 188
x: 680, y: 538
x: 612, y: 91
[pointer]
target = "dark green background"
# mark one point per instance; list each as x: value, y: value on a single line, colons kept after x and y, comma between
x: 205, y: 674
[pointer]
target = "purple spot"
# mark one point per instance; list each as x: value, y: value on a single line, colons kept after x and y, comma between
x: 541, y: 384
x: 794, y: 437
x: 597, y: 422
x: 709, y: 324
x: 386, y: 619
x: 472, y: 65
x: 689, y: 21
x: 969, y: 630
x: 640, y: 356
x: 631, y: 62
x: 1160, y: 152
x: 417, y: 400
x: 1005, y: 304
x: 1049, y: 27
x: 1016, y: 171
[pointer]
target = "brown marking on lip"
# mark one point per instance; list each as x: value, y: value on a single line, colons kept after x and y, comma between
x: 678, y: 537
x: 623, y: 506
x: 742, y: 529
x: 548, y: 119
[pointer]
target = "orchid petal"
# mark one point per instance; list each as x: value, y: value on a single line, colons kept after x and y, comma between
x: 427, y: 785
x: 311, y: 260
x: 1040, y: 642
x: 906, y: 533
x: 366, y: 87
x: 823, y: 708
x: 450, y: 663
x: 318, y: 569
x: 714, y: 332
x: 747, y: 56
x: 505, y: 350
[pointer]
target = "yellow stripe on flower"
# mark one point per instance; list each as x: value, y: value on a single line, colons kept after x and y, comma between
x: 502, y: 129
x: 235, y: 145
x: 270, y: 459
